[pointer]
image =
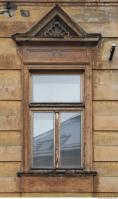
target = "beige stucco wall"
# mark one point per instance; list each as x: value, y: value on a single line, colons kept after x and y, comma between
x: 97, y: 18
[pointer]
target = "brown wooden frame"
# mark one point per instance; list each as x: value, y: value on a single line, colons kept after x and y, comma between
x: 56, y: 163
x: 87, y: 111
x: 57, y: 108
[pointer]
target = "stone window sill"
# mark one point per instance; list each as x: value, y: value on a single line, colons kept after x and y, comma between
x: 58, y: 172
x: 57, y: 182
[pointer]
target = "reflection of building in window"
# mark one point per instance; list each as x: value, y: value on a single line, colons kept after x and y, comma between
x: 70, y: 142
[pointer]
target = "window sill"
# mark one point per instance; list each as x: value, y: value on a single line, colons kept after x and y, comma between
x: 57, y: 182
x: 57, y: 173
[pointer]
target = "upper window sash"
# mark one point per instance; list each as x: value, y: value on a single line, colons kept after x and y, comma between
x: 57, y: 88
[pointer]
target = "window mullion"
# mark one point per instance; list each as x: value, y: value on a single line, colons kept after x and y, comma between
x: 57, y: 140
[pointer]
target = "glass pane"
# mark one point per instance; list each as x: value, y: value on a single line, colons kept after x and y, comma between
x: 71, y: 140
x: 43, y: 140
x: 56, y: 88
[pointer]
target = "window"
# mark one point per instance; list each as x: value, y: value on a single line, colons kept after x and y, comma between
x: 57, y: 117
x: 57, y: 59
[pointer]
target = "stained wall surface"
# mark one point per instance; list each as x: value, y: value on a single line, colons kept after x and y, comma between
x: 94, y: 17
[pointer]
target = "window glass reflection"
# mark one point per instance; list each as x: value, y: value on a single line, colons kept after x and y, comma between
x: 43, y: 140
x: 71, y: 140
x: 56, y: 88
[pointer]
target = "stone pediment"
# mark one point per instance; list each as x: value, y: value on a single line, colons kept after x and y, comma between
x: 56, y: 28
x: 55, y: 25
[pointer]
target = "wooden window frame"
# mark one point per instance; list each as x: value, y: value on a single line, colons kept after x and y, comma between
x: 56, y: 162
x: 86, y: 70
x: 56, y: 108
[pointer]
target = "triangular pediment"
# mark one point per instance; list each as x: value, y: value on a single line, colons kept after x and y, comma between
x: 55, y: 25
x: 56, y: 28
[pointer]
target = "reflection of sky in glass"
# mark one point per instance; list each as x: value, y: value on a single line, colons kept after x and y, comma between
x: 56, y: 88
x: 43, y: 122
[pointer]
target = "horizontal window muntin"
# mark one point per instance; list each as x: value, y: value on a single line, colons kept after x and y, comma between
x: 65, y: 148
x: 56, y: 88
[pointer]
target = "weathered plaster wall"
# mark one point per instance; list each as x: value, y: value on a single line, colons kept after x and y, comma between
x: 93, y: 18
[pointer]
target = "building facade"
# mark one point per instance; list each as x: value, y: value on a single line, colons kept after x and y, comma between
x: 58, y: 98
